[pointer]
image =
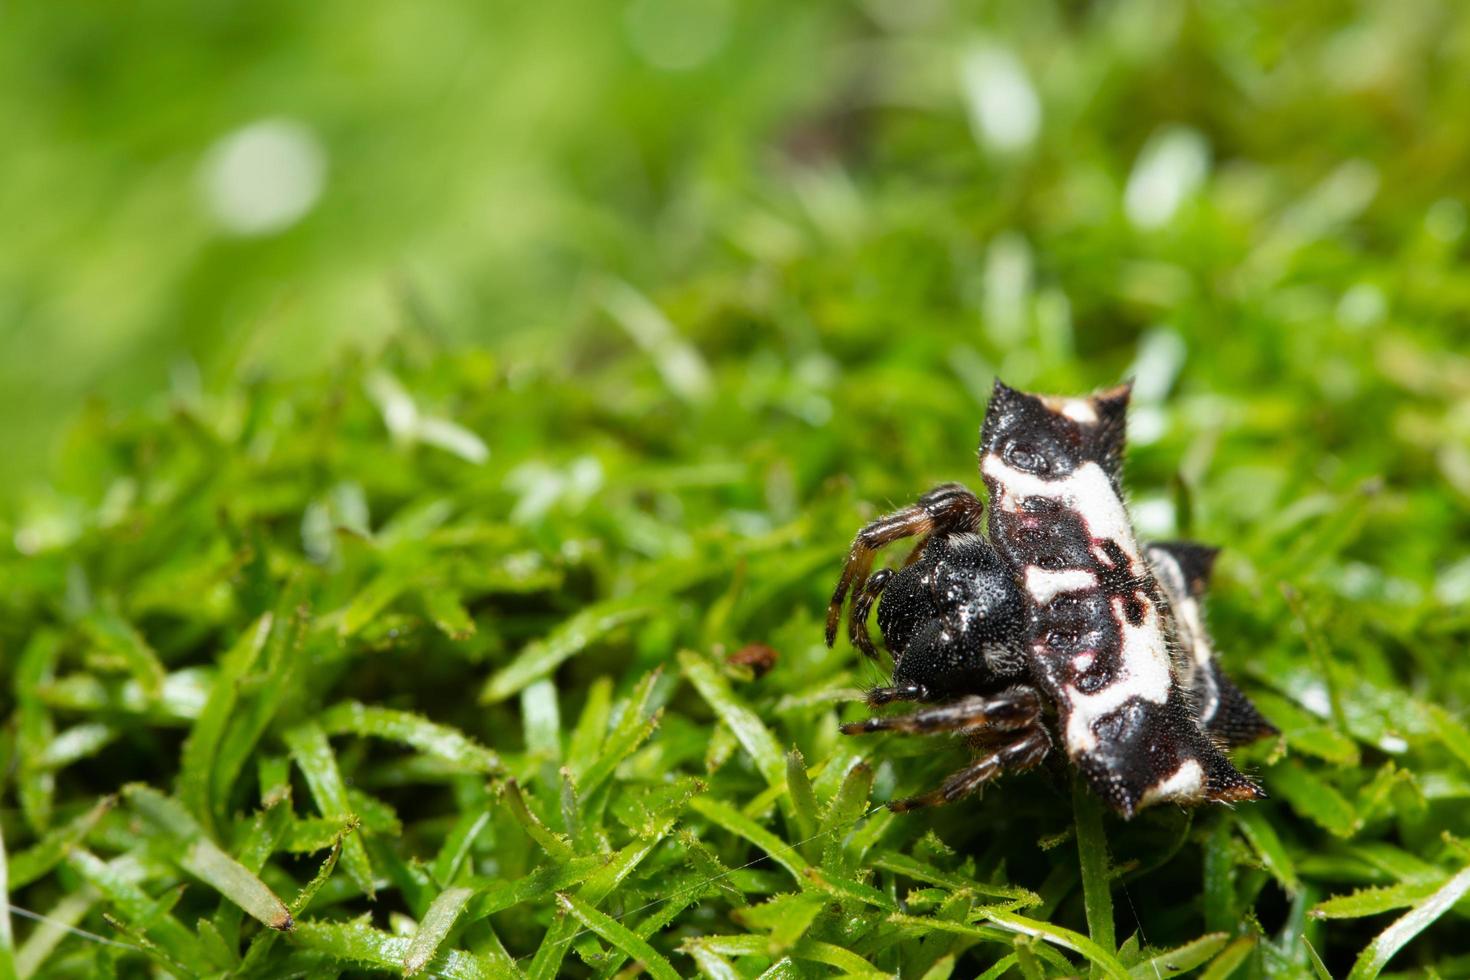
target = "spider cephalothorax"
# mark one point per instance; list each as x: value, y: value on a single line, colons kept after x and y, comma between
x: 1060, y: 628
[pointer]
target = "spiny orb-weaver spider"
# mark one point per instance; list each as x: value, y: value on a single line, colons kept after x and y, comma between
x: 1060, y: 627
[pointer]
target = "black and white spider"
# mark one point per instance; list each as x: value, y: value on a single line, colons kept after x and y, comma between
x: 1060, y: 627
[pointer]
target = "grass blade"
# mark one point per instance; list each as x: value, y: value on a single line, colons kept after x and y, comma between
x: 729, y: 945
x: 446, y: 611
x: 37, y: 860
x: 1067, y: 939
x: 710, y: 963
x: 145, y: 918
x: 76, y: 743
x: 784, y: 918
x: 916, y: 925
x: 750, y: 731
x: 440, y: 741
x: 457, y: 844
x: 437, y: 922
x: 360, y: 943
x: 1256, y: 827
x: 590, y: 732
x: 1452, y: 732
x: 803, y: 800
x: 657, y: 921
x: 554, y: 945
x: 1314, y: 798
x: 846, y: 808
x: 34, y: 728
x: 1376, y: 956
x: 541, y: 657
x: 554, y: 844
x: 373, y: 598
x: 639, y: 720
x: 1230, y: 959
x: 1092, y: 853
x: 119, y: 640
x: 7, y: 937
x: 1375, y: 901
x: 1319, y: 969
x: 919, y: 871
x: 308, y: 891
x: 846, y: 888
x: 273, y: 687
x: 545, y: 882
x: 541, y: 719
x: 1180, y: 959
x: 994, y: 973
x: 195, y: 782
x: 740, y: 825
x: 643, y: 954
x: 318, y: 764
x: 831, y: 954
x: 204, y: 859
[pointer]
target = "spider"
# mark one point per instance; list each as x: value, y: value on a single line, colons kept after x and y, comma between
x: 1059, y: 627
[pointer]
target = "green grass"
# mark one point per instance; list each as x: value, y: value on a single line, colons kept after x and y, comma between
x: 473, y: 717
x: 421, y: 663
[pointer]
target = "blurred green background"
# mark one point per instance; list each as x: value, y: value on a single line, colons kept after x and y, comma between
x: 469, y: 328
x: 1011, y: 180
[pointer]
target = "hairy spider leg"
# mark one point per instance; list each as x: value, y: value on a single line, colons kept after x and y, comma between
x: 1013, y: 709
x: 1014, y: 712
x: 902, y: 692
x: 1024, y: 753
x: 948, y: 508
x: 862, y: 605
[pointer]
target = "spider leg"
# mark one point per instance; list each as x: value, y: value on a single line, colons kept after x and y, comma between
x: 1013, y: 709
x: 1017, y: 756
x: 948, y: 508
x: 905, y: 692
x: 862, y: 605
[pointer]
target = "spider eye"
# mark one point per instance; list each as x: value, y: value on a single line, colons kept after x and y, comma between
x: 1026, y: 457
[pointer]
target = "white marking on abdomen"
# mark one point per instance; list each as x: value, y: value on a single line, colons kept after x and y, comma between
x: 1186, y: 783
x: 1044, y: 585
x: 1189, y: 623
x: 1077, y: 409
x: 1143, y: 672
x: 1087, y: 491
x: 1186, y: 607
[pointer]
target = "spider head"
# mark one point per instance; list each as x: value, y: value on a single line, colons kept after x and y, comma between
x: 1048, y: 437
